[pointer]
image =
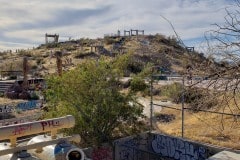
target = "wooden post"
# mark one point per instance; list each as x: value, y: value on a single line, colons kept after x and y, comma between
x: 25, y: 72
x: 59, y: 62
x: 46, y: 39
x: 118, y: 33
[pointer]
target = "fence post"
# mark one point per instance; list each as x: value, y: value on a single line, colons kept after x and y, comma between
x: 183, y: 90
x: 151, y: 101
x: 114, y: 149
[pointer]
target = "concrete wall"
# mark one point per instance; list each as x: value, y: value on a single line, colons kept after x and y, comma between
x: 155, y: 146
x: 104, y: 152
x: 176, y: 148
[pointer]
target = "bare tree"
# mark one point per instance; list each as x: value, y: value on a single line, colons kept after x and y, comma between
x: 223, y: 68
x: 224, y: 46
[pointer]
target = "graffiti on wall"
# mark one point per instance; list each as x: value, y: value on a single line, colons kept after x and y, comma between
x: 128, y: 149
x: 18, y: 130
x: 102, y: 153
x: 11, y: 121
x: 29, y: 105
x: 158, y: 146
x: 6, y: 109
x: 126, y: 154
x: 50, y: 124
x: 177, y: 148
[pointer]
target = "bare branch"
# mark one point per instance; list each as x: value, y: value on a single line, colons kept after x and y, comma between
x: 178, y: 37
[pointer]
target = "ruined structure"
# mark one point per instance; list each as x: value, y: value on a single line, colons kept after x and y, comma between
x: 95, y: 47
x: 118, y: 33
x: 127, y: 33
x: 54, y: 36
x: 131, y: 32
x: 136, y: 31
x: 190, y: 49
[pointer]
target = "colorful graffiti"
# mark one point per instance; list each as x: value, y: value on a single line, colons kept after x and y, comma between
x: 177, y: 148
x: 29, y: 105
x: 129, y: 148
x: 102, y: 153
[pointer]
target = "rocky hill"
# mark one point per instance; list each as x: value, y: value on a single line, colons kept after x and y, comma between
x: 156, y: 49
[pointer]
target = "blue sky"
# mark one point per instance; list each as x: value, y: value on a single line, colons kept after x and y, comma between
x: 23, y: 23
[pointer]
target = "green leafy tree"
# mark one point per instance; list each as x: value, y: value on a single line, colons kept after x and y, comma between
x: 91, y: 93
x: 138, y: 84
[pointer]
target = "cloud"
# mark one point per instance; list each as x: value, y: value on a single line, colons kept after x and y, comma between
x: 26, y: 22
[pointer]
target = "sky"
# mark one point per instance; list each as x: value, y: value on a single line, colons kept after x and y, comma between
x: 23, y: 23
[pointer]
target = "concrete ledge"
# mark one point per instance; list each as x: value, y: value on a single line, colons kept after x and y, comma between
x: 225, y: 155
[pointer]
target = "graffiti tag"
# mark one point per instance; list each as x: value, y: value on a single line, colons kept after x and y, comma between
x: 126, y: 154
x: 102, y: 153
x: 30, y: 105
x: 177, y: 148
x: 128, y: 148
x: 6, y: 109
x: 21, y: 129
x: 50, y: 123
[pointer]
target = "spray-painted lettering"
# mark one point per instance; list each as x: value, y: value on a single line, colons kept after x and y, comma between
x: 177, y: 148
x: 102, y: 153
x: 29, y: 105
x: 50, y: 123
x: 6, y: 109
x: 127, y: 149
x: 126, y: 154
x: 21, y: 129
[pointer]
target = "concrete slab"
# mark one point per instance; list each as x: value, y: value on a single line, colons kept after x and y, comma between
x: 225, y: 155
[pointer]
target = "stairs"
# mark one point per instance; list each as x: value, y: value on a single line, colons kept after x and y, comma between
x: 4, y: 85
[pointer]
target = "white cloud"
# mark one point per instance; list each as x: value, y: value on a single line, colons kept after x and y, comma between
x: 25, y: 21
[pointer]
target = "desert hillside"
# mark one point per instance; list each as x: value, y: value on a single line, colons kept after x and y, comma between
x: 155, y: 49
